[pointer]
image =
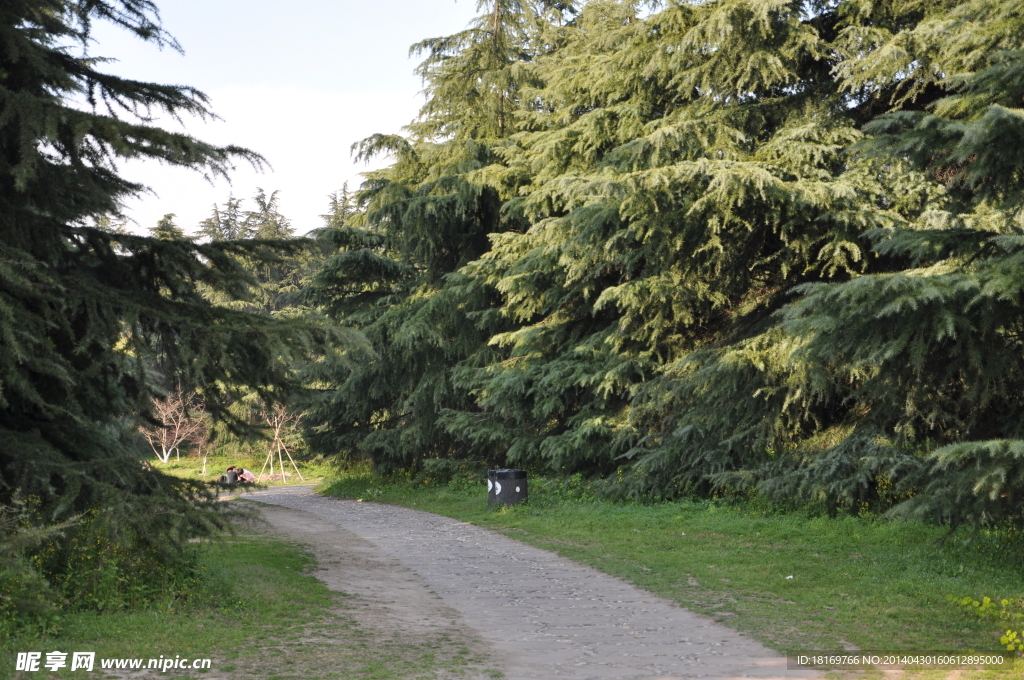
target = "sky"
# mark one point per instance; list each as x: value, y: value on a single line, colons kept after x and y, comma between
x: 298, y: 82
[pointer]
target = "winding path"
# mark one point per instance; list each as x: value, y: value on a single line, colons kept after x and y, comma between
x: 543, y: 616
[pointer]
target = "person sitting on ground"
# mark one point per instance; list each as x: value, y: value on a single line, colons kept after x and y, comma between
x: 230, y: 476
x: 245, y: 475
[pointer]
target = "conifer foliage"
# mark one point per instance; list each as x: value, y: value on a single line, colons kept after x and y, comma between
x: 931, y: 353
x: 85, y: 313
x: 276, y: 268
x: 729, y: 245
x: 413, y: 226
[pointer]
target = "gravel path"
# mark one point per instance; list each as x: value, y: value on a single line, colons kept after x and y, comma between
x: 544, y: 616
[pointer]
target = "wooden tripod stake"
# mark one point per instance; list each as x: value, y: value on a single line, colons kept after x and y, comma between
x: 279, y: 447
x: 277, y: 417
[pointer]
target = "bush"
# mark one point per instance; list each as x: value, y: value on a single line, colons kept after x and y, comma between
x: 101, y: 566
x: 444, y: 471
x: 26, y: 597
x: 90, y: 562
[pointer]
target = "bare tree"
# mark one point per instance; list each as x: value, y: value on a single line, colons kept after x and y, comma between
x: 183, y: 419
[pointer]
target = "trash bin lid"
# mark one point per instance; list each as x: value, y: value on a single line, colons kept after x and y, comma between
x: 508, y: 474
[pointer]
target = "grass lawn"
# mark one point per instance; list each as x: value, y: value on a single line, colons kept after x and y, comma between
x: 793, y: 581
x: 254, y: 459
x: 265, y: 616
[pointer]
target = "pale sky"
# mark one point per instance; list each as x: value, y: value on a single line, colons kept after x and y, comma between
x: 296, y: 81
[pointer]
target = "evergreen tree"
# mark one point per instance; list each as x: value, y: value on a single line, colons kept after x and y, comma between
x: 226, y: 224
x: 166, y: 229
x: 280, y: 267
x: 721, y: 244
x: 843, y: 396
x: 923, y: 358
x: 419, y: 221
x: 686, y: 170
x: 117, y: 224
x: 266, y: 221
x: 85, y: 311
x: 275, y: 276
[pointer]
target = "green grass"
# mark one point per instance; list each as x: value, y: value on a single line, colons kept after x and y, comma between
x: 262, y: 615
x: 253, y: 458
x: 856, y: 582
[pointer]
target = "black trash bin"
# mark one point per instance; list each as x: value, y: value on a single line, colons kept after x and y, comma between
x: 506, y: 487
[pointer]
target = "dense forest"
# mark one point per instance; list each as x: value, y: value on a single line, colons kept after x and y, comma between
x: 740, y: 247
x: 734, y: 247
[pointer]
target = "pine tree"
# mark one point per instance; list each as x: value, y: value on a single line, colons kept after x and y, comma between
x: 226, y: 223
x: 279, y: 267
x: 166, y: 229
x: 930, y: 377
x: 419, y: 221
x: 275, y: 275
x: 896, y: 384
x: 686, y: 170
x: 87, y: 312
x: 725, y: 244
x: 117, y: 224
x: 266, y: 221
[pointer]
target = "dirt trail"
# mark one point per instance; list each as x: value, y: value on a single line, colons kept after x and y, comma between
x: 385, y: 598
x: 535, y: 615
